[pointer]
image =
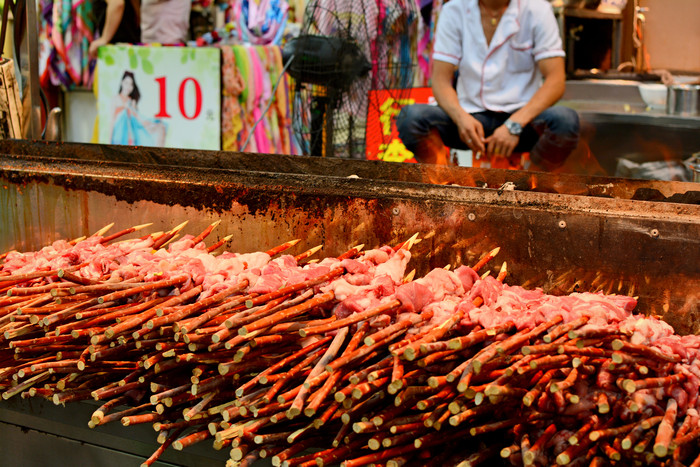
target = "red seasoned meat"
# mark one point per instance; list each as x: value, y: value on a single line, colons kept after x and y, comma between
x: 488, y: 289
x: 413, y: 296
x: 442, y: 283
x: 467, y: 276
x: 378, y: 256
x: 355, y: 304
x: 353, y: 266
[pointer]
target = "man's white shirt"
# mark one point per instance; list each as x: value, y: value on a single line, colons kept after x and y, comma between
x: 503, y: 75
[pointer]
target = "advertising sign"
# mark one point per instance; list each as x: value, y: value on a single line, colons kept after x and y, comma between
x: 159, y: 96
x: 382, y: 140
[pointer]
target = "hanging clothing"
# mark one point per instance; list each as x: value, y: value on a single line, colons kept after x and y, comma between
x: 249, y: 75
x: 259, y: 22
x: 66, y: 29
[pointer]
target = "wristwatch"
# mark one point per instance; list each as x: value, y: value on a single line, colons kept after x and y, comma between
x: 514, y: 128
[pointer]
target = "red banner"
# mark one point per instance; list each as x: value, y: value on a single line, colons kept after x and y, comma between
x: 382, y: 139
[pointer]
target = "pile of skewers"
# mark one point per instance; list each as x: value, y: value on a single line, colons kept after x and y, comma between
x: 346, y: 359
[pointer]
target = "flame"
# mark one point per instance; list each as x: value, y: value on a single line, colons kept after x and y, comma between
x: 516, y: 161
x: 665, y: 152
x: 581, y: 161
x: 433, y: 150
x: 533, y: 182
x: 467, y: 179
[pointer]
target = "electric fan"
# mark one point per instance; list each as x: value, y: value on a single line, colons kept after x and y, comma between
x: 347, y: 48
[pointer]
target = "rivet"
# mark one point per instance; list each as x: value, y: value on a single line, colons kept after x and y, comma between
x: 562, y: 224
x: 395, y: 211
x: 471, y: 216
x: 654, y: 233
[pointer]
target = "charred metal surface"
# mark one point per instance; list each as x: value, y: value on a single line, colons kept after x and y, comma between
x: 372, y: 170
x: 561, y: 242
x: 35, y: 432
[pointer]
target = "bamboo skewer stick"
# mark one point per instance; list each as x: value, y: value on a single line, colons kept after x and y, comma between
x: 205, y: 233
x: 283, y: 247
x: 219, y: 244
x: 298, y: 404
x: 121, y: 233
x: 453, y: 378
x: 352, y: 319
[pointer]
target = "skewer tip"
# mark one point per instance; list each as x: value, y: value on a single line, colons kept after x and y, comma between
x: 175, y: 237
x: 315, y: 249
x: 408, y: 244
x: 142, y: 226
x: 103, y: 230
x: 179, y: 227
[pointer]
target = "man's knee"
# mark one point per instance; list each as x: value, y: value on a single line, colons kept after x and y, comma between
x: 562, y: 120
x: 559, y: 136
x: 413, y: 124
x: 408, y: 119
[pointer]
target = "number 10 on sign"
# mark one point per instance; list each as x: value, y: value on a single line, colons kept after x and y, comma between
x: 162, y: 93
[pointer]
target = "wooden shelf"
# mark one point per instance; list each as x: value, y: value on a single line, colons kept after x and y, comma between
x: 592, y: 14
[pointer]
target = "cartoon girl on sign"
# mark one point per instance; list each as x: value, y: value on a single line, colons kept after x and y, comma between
x: 128, y: 127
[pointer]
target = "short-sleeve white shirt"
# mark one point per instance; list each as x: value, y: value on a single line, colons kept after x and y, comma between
x: 503, y: 75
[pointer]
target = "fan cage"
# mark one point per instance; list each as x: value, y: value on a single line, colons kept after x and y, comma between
x: 386, y: 31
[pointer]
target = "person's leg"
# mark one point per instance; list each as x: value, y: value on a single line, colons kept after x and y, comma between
x: 490, y: 120
x: 420, y: 124
x: 551, y: 137
x: 416, y: 125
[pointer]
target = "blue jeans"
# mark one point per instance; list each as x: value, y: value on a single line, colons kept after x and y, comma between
x: 549, y: 138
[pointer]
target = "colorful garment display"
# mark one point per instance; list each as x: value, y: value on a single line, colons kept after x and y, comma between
x: 66, y: 30
x: 249, y: 74
x: 259, y: 22
x: 437, y: 8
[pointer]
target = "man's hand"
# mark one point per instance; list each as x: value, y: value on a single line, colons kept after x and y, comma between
x: 501, y: 143
x: 471, y: 131
x: 94, y: 45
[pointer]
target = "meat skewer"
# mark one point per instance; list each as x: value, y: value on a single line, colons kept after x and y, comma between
x: 460, y: 371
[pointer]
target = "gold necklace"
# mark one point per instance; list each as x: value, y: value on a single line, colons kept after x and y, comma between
x: 494, y: 16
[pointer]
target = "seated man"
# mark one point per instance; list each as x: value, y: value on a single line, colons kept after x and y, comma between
x: 502, y: 50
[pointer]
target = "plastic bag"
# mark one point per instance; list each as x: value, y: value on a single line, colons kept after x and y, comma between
x: 673, y: 170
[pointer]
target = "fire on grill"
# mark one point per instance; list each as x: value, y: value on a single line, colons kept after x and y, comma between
x: 344, y: 359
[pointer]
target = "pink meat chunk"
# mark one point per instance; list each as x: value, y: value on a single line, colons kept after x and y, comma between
x: 413, y: 296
